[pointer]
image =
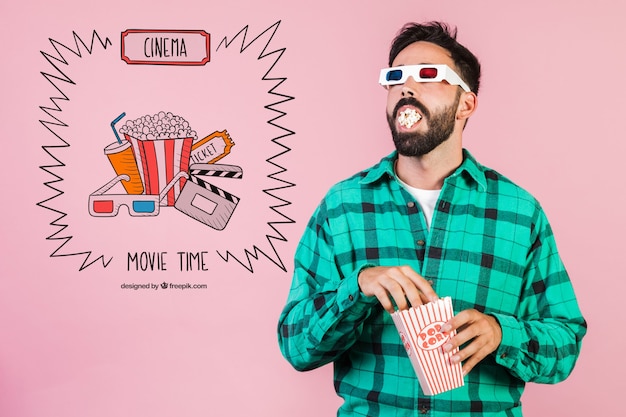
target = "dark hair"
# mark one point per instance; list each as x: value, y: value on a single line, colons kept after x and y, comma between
x: 440, y: 34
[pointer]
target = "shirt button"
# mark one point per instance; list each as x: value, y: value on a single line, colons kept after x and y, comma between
x: 411, y: 204
x: 431, y: 282
x: 421, y: 242
x: 423, y: 410
x: 503, y: 356
x: 351, y: 297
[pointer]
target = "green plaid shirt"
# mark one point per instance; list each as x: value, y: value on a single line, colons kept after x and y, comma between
x: 489, y: 247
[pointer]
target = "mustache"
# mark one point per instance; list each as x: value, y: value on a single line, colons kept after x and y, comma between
x: 411, y: 101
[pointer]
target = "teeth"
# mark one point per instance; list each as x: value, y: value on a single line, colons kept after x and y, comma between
x: 408, y: 118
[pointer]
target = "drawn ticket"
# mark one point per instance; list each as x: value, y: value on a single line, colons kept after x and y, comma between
x: 211, y: 148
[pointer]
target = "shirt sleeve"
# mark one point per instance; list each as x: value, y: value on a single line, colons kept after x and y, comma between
x: 542, y: 342
x: 325, y: 308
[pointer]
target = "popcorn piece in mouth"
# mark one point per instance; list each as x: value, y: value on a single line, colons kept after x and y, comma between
x: 408, y: 118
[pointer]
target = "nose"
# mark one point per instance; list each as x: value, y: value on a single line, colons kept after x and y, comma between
x: 410, y: 88
x: 407, y: 91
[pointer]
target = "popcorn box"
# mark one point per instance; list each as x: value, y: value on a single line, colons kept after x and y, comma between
x: 420, y: 330
x: 160, y: 160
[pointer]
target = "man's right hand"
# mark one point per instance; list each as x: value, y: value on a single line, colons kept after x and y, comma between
x: 398, y: 283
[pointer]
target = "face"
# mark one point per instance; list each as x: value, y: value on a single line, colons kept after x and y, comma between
x: 430, y: 107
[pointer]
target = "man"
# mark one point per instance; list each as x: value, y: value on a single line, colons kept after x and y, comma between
x: 430, y: 221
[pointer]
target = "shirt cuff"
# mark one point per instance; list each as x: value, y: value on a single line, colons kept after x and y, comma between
x: 349, y: 296
x: 508, y: 351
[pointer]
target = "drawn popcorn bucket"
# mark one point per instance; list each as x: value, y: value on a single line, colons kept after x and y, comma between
x: 205, y: 202
x: 160, y: 161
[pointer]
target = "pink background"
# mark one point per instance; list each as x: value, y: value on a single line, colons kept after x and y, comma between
x: 550, y: 117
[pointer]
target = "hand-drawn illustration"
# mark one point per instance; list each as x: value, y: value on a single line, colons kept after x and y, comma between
x: 161, y: 144
x: 159, y: 162
x: 157, y: 150
x: 122, y: 158
x: 205, y: 202
x: 166, y: 47
x: 211, y: 148
x: 140, y: 205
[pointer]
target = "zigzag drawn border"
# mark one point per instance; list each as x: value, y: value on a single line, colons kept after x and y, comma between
x: 58, y: 79
x: 56, y: 122
x: 281, y: 98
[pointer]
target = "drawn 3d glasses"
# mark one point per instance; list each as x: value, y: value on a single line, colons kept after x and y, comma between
x: 422, y: 74
x: 139, y: 205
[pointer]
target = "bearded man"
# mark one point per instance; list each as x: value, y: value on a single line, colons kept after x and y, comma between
x: 429, y: 221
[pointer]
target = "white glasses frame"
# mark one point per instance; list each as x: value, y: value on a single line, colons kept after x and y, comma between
x: 444, y: 72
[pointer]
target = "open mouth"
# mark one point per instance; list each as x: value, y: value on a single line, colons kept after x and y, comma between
x: 408, y: 117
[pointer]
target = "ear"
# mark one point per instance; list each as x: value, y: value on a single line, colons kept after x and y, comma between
x: 467, y: 105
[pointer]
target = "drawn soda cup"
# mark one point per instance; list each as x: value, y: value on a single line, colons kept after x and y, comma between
x: 122, y: 158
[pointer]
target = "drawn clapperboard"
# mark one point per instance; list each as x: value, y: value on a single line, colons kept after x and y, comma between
x: 205, y: 202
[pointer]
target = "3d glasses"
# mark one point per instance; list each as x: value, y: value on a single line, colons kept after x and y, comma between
x: 139, y: 205
x: 421, y: 74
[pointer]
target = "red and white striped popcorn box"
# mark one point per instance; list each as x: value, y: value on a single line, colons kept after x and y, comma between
x: 159, y: 161
x: 420, y: 330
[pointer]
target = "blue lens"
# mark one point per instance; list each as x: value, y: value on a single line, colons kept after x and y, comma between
x: 143, y: 206
x: 394, y: 75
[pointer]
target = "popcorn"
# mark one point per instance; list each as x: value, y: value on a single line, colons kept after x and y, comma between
x: 159, y: 126
x: 420, y: 331
x: 161, y: 144
x: 408, y: 118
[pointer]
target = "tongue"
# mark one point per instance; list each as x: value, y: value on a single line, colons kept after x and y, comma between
x: 408, y: 117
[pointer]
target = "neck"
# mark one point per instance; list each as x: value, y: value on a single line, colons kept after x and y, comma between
x: 429, y: 171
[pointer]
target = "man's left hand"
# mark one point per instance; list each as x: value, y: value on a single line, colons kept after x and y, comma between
x: 481, y: 330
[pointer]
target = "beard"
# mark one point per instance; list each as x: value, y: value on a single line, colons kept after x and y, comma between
x: 440, y: 127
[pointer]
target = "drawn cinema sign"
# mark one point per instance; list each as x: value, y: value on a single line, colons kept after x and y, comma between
x: 166, y: 47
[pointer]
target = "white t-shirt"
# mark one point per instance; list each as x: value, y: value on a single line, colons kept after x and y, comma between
x: 427, y: 199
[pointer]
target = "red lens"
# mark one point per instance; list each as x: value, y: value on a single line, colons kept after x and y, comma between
x: 104, y: 206
x: 428, y: 72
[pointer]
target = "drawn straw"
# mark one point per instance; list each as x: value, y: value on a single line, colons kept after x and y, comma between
x: 117, y: 119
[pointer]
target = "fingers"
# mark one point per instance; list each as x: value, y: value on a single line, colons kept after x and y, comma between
x: 473, y: 359
x: 401, y: 285
x: 481, y: 331
x: 424, y: 293
x: 385, y: 291
x: 391, y: 286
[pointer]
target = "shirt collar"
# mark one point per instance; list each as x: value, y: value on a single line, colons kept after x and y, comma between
x: 385, y: 169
